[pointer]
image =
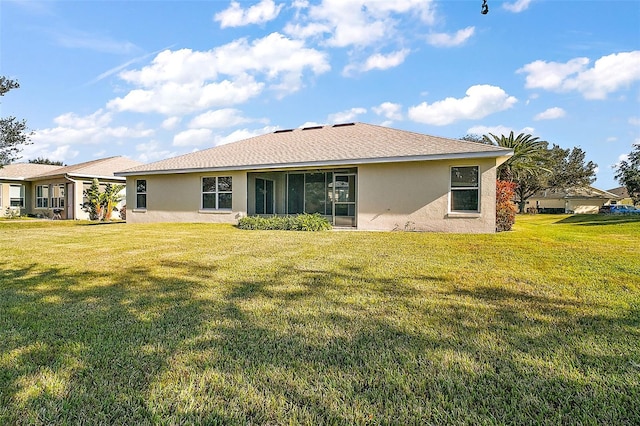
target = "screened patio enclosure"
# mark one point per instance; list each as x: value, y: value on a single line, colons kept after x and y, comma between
x: 330, y: 193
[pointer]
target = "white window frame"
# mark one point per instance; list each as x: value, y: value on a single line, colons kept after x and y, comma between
x: 42, y: 198
x: 217, y: 193
x: 452, y: 189
x: 141, y: 193
x: 21, y: 198
x: 57, y: 196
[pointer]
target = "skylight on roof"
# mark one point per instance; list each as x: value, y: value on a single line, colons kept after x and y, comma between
x: 283, y: 131
x: 312, y: 128
x: 344, y: 124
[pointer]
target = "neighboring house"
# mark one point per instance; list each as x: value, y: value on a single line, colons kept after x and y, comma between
x: 42, y: 189
x: 621, y: 192
x: 356, y: 175
x: 580, y: 201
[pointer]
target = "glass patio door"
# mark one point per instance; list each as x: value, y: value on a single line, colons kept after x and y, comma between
x: 344, y: 199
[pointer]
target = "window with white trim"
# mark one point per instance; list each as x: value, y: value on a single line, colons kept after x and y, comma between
x: 216, y: 193
x: 42, y: 196
x: 141, y: 193
x: 465, y: 189
x: 16, y: 195
x: 57, y: 196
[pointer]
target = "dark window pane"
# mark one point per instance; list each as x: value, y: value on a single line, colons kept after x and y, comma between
x: 224, y: 201
x: 464, y: 200
x: 208, y: 201
x: 224, y: 183
x: 141, y: 185
x: 260, y: 196
x: 209, y: 184
x: 141, y: 201
x: 464, y: 176
x: 295, y: 194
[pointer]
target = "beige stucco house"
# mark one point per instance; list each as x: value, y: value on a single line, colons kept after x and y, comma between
x: 623, y: 194
x: 44, y: 190
x: 356, y: 175
x: 577, y: 200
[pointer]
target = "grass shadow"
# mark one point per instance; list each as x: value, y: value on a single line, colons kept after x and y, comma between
x: 599, y: 219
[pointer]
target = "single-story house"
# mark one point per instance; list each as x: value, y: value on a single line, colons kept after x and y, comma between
x: 623, y: 194
x: 356, y: 175
x: 39, y: 190
x: 577, y: 200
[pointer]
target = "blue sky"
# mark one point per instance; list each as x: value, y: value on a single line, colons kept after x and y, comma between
x: 155, y: 79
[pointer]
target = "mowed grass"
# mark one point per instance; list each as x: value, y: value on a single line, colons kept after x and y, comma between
x: 195, y: 323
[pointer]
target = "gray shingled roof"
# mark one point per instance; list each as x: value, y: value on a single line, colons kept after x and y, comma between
x: 104, y: 167
x: 22, y: 171
x: 352, y: 143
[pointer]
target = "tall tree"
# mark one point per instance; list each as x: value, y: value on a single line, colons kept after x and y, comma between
x: 13, y: 132
x: 568, y: 168
x: 42, y: 160
x: 628, y: 173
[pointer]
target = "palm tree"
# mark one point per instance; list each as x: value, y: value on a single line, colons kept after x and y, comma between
x: 528, y: 155
x: 110, y: 198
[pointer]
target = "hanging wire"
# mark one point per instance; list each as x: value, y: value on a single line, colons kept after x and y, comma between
x: 485, y: 7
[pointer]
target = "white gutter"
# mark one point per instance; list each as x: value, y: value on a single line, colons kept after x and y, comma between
x: 331, y: 163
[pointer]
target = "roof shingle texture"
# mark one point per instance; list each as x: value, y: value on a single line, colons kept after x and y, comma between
x: 358, y: 141
x: 25, y: 170
x: 102, y: 167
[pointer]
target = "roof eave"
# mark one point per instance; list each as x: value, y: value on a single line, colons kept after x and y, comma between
x: 331, y: 163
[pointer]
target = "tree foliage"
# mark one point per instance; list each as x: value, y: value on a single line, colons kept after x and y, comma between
x: 42, y: 160
x: 101, y: 204
x: 628, y: 173
x: 13, y: 132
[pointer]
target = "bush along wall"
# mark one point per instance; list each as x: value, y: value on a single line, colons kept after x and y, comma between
x: 302, y: 222
x: 505, y: 207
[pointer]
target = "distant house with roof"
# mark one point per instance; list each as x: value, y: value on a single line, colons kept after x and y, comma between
x: 572, y: 200
x: 39, y: 190
x: 356, y: 175
x: 623, y: 194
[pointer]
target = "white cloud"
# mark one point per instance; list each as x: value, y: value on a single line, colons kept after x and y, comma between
x: 170, y: 123
x: 550, y: 114
x: 235, y: 16
x: 183, y: 81
x: 172, y: 98
x: 309, y: 124
x: 152, y: 151
x: 611, y: 139
x: 64, y: 153
x: 634, y: 121
x: 219, y: 119
x: 346, y: 116
x: 357, y: 22
x: 481, y: 101
x: 193, y: 137
x: 608, y: 74
x: 91, y: 129
x: 447, y: 40
x: 389, y: 110
x: 242, y: 134
x: 518, y: 6
x: 383, y: 62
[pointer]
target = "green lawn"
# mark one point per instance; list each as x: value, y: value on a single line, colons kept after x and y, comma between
x: 194, y: 323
